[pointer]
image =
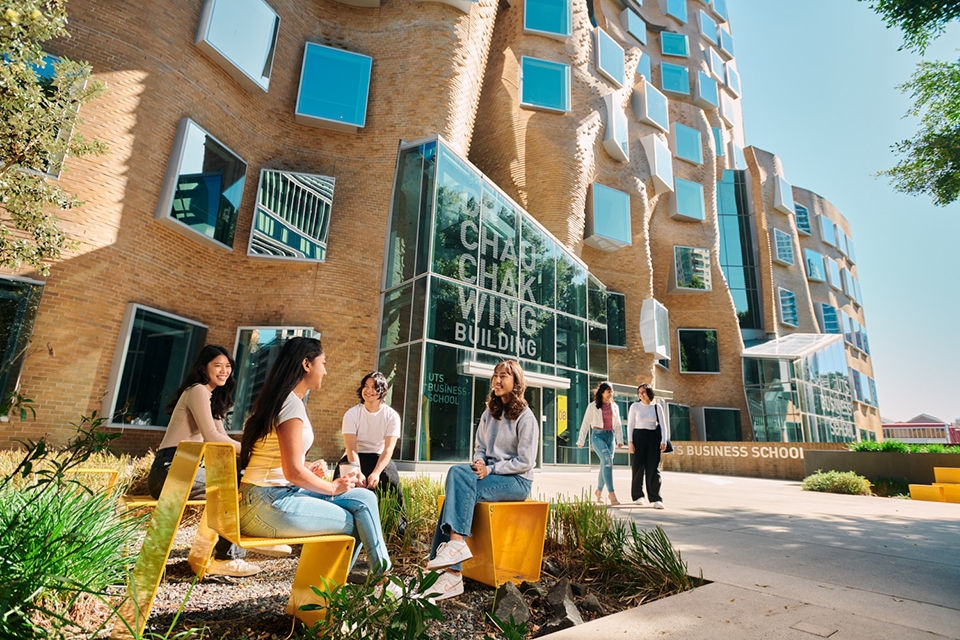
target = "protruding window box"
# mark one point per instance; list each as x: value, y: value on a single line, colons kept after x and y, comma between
x: 334, y: 88
x: 607, y: 219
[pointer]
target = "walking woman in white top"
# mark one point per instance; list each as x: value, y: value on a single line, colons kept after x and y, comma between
x: 649, y: 432
x: 602, y: 423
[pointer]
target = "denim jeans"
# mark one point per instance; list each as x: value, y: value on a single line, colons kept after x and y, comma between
x: 462, y: 493
x: 603, y: 445
x: 290, y: 511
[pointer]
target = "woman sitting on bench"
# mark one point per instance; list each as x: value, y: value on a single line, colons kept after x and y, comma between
x: 282, y: 495
x: 505, y: 453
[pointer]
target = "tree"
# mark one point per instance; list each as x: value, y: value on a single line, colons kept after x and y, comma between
x: 931, y: 159
x: 920, y: 20
x: 39, y: 100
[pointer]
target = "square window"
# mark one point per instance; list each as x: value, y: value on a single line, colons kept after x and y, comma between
x: 547, y: 17
x: 814, y: 262
x: 851, y: 255
x: 803, y: 218
x: 687, y: 143
x: 688, y: 200
x: 615, y: 139
x: 610, y: 62
x: 292, y: 216
x: 783, y: 196
x: 675, y: 78
x: 651, y: 106
x: 241, y: 37
x: 846, y: 282
x: 729, y: 109
x: 739, y: 160
x: 788, y: 307
x: 699, y: 351
x: 156, y: 350
x: 677, y: 9
x: 643, y: 67
x: 718, y: 141
x: 833, y: 273
x: 827, y: 231
x: 661, y: 162
x: 616, y: 319
x: 733, y: 79
x: 608, y: 219
x: 706, y: 93
x: 726, y: 41
x: 692, y: 268
x: 655, y: 328
x: 717, y: 65
x: 674, y: 44
x: 841, y: 241
x: 784, y: 247
x: 828, y: 318
x: 720, y: 6
x: 202, y: 186
x: 334, y: 88
x: 634, y: 25
x: 544, y: 84
x: 708, y: 28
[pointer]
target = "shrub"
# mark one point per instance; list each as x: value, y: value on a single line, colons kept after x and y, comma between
x: 903, y: 447
x: 837, y: 482
x: 891, y: 488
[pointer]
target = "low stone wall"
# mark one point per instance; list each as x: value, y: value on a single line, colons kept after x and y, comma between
x: 777, y: 460
x: 915, y: 468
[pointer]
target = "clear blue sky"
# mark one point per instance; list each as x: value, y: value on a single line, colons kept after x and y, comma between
x: 819, y: 80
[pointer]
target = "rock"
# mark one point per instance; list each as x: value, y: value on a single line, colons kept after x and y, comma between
x: 510, y: 604
x: 533, y: 589
x: 569, y: 617
x: 578, y: 589
x: 551, y: 568
x: 591, y: 604
x: 558, y: 593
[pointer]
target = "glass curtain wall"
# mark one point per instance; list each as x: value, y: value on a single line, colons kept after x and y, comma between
x: 737, y: 255
x: 471, y: 279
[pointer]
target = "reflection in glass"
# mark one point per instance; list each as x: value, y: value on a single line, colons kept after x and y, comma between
x: 610, y: 61
x: 292, y: 216
x: 688, y: 144
x: 674, y: 44
x: 571, y: 286
x: 241, y: 35
x: 689, y: 199
x: 334, y: 85
x: 456, y: 236
x: 674, y: 78
x: 550, y: 17
x: 699, y: 351
x: 608, y: 218
x: 544, y: 84
x: 19, y: 300
x: 446, y: 414
x: 692, y: 268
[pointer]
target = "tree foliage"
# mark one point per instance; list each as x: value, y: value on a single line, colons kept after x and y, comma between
x: 931, y: 159
x: 920, y: 20
x: 39, y: 100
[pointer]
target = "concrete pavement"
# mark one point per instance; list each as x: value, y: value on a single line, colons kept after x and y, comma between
x: 788, y: 564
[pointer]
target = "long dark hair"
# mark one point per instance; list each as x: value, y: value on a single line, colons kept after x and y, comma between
x: 284, y: 375
x: 222, y: 398
x: 516, y: 404
x: 598, y: 397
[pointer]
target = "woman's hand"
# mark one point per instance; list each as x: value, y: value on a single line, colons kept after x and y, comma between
x: 480, y: 469
x: 373, y: 480
x: 630, y: 447
x: 343, y: 484
x: 319, y: 468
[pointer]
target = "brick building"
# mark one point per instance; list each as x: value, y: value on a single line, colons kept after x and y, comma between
x: 431, y: 187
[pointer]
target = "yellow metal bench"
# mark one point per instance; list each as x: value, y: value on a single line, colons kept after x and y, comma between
x: 327, y: 556
x: 946, y: 475
x: 506, y: 542
x: 928, y: 492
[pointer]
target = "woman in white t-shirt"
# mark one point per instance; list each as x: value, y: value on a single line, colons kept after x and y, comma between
x: 649, y: 432
x: 370, y: 433
x: 282, y: 494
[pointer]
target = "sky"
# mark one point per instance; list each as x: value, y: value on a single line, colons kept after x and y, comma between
x: 819, y: 82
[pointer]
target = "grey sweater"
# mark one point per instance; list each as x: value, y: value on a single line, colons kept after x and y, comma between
x: 508, y: 447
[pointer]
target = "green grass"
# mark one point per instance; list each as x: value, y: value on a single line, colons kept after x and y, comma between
x: 903, y: 447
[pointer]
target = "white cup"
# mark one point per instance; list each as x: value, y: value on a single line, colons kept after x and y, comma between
x: 349, y: 468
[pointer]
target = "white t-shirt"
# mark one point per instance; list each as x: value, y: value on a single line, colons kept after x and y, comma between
x: 371, y: 427
x: 265, y: 468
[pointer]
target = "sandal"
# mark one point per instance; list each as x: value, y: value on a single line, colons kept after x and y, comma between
x: 599, y: 495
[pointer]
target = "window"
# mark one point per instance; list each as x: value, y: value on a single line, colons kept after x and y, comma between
x: 699, y: 351
x: 688, y: 200
x: 708, y: 28
x: 814, y: 262
x: 615, y: 139
x: 828, y: 318
x: 334, y: 88
x: 720, y: 6
x: 661, y: 162
x: 643, y: 68
x: 706, y: 93
x: 733, y: 79
x: 544, y: 84
x: 616, y: 319
x: 686, y: 142
x: 784, y: 247
x: 655, y: 328
x: 156, y: 349
x: 827, y: 231
x: 634, y: 25
x: 674, y: 44
x: 788, y: 307
x: 717, y: 66
x: 782, y: 196
x: 718, y: 141
x: 841, y: 241
x: 677, y: 9
x: 609, y: 58
x: 833, y: 273
x: 739, y: 159
x: 292, y: 216
x: 241, y: 37
x: 722, y: 425
x: 803, y: 218
x: 726, y: 41
x: 851, y: 255
x: 46, y: 72
x: 202, y: 186
x: 650, y: 106
x: 729, y: 109
x: 679, y: 417
x: 692, y: 265
x: 675, y: 78
x: 19, y: 299
x: 256, y: 350
x: 548, y: 17
x: 846, y: 282
x: 608, y: 218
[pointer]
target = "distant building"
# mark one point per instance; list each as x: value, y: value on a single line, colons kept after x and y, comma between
x: 922, y: 428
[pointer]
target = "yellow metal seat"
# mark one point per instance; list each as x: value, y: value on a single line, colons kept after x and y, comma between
x: 506, y: 542
x: 926, y: 492
x: 951, y: 492
x: 109, y: 475
x: 946, y: 475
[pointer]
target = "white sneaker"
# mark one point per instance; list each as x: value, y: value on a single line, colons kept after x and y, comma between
x: 449, y: 553
x: 238, y: 568
x: 640, y: 502
x: 448, y: 585
x: 390, y: 587
x: 658, y: 505
x: 273, y: 550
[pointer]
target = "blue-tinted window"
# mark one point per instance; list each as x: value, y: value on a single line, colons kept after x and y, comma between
x: 675, y: 78
x: 692, y: 268
x: 202, y: 186
x: 651, y: 106
x: 788, y: 307
x: 699, y: 351
x: 726, y: 42
x: 660, y: 160
x: 784, y: 246
x: 689, y: 199
x: 677, y: 9
x: 827, y: 232
x: 833, y: 273
x: 718, y: 141
x: 717, y: 65
x: 708, y: 27
x: 545, y: 84
x: 609, y: 58
x: 616, y: 319
x: 829, y: 318
x: 674, y: 44
x: 851, y: 255
x: 707, y: 95
x: 19, y: 300
x: 550, y: 17
x: 616, y: 141
x: 634, y: 25
x: 608, y: 226
x: 720, y: 6
x: 739, y: 159
x: 783, y: 196
x: 814, y: 262
x: 688, y: 144
x: 803, y: 218
x: 292, y: 216
x: 334, y: 87
x: 643, y: 67
x: 241, y: 36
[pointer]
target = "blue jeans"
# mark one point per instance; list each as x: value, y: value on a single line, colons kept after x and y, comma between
x: 603, y: 445
x: 462, y: 493
x: 277, y: 512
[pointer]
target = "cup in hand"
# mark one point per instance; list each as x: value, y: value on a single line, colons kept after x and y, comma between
x: 349, y: 469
